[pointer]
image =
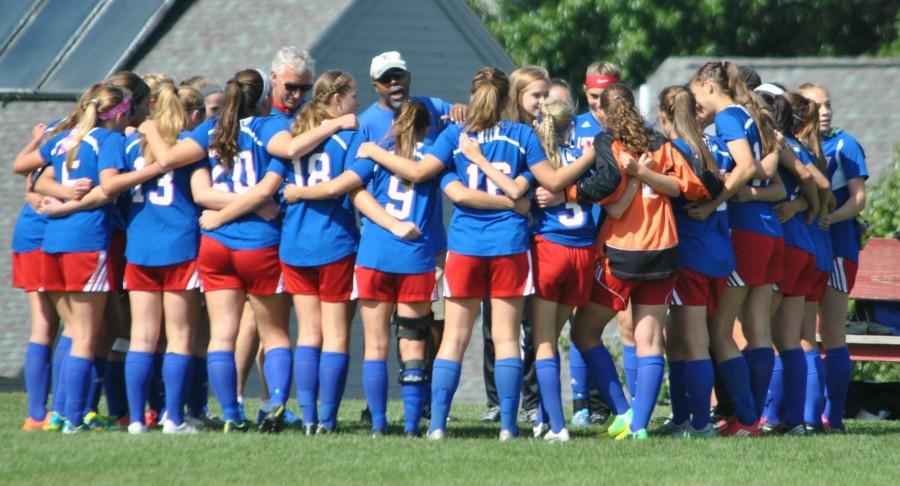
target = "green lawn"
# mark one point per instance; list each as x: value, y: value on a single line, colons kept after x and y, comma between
x: 868, y: 454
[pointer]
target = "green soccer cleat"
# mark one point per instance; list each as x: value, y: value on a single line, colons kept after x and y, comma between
x: 54, y: 423
x: 236, y: 427
x: 617, y: 425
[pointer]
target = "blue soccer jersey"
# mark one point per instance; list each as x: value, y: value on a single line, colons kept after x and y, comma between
x: 28, y: 234
x: 735, y: 123
x: 379, y: 249
x: 822, y: 241
x: 162, y: 224
x: 82, y: 230
x: 796, y: 232
x: 704, y: 246
x: 846, y: 161
x: 317, y: 232
x: 570, y: 224
x: 249, y: 166
x: 510, y: 147
x: 586, y: 128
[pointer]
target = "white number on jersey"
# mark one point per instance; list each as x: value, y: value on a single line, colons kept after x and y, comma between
x: 65, y: 177
x: 574, y: 218
x: 318, y: 166
x: 165, y: 188
x: 401, y: 193
x: 243, y: 164
x: 472, y: 171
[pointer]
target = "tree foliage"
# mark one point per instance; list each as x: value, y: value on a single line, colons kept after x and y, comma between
x: 567, y: 35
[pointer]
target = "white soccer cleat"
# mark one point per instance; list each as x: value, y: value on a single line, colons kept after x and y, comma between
x: 561, y: 436
x: 539, y: 430
x: 170, y: 428
x: 436, y: 434
x: 137, y: 428
x: 506, y: 436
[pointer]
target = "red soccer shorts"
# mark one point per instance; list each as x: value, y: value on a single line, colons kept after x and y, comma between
x: 759, y: 259
x: 695, y: 288
x: 26, y: 270
x: 83, y: 271
x: 117, y: 260
x: 369, y: 284
x: 843, y: 274
x: 817, y: 291
x: 257, y: 271
x: 799, y: 272
x: 563, y: 274
x: 614, y: 293
x: 468, y: 277
x: 332, y: 282
x: 169, y: 278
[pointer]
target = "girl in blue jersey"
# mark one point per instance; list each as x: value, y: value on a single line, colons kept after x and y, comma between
x: 756, y: 236
x: 392, y: 270
x: 705, y: 259
x: 238, y: 252
x: 161, y: 275
x: 848, y: 173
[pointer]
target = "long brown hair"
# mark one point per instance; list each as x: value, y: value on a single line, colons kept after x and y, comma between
x: 623, y: 120
x: 556, y: 117
x: 242, y: 95
x: 490, y: 92
x: 410, y: 127
x: 102, y: 99
x: 806, y: 126
x: 331, y: 82
x: 170, y: 116
x: 730, y: 82
x: 680, y: 108
x: 518, y: 81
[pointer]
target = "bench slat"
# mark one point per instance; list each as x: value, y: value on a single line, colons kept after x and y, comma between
x: 878, y: 277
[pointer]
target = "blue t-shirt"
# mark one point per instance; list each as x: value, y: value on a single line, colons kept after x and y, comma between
x: 249, y: 166
x: 735, y: 123
x: 379, y: 249
x: 796, y: 232
x: 586, y: 128
x: 28, y: 234
x: 162, y: 224
x: 846, y: 160
x: 317, y: 232
x: 570, y: 224
x: 86, y: 230
x: 510, y: 147
x: 704, y: 246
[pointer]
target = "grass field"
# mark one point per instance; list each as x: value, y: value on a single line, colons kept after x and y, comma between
x: 869, y: 454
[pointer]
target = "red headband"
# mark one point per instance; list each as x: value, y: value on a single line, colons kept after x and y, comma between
x: 115, y: 111
x: 599, y: 81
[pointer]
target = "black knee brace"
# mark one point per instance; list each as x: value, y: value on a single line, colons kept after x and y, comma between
x: 415, y: 328
x: 413, y: 364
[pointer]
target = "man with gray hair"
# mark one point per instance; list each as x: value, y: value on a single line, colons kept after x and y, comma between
x: 292, y: 74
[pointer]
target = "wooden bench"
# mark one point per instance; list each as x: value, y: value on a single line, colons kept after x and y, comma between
x: 878, y: 279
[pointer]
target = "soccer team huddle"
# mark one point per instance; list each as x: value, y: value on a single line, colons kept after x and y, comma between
x: 164, y: 222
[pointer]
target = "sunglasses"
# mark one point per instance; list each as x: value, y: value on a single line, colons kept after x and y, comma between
x: 292, y: 87
x: 392, y: 75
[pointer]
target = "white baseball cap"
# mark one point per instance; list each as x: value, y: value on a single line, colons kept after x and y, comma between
x: 770, y: 88
x: 386, y: 61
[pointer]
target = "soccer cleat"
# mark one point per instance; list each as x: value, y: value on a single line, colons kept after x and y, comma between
x: 151, y: 418
x: 581, y: 418
x: 491, y: 415
x: 436, y: 434
x: 273, y: 422
x: 122, y: 422
x: 769, y: 428
x: 539, y: 430
x: 309, y: 429
x: 322, y: 429
x: 32, y: 425
x: 170, y: 428
x: 95, y: 421
x: 796, y: 431
x: 617, y: 425
x: 412, y: 434
x: 204, y: 421
x: 506, y: 435
x: 561, y: 436
x: 136, y: 428
x: 599, y: 417
x: 54, y: 423
x: 707, y: 432
x: 529, y: 415
x: 670, y: 428
x: 638, y: 435
x: 68, y: 428
x: 377, y: 434
x: 734, y: 428
x: 236, y: 427
x: 366, y: 416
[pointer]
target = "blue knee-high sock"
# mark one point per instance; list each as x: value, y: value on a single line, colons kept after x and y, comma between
x: 838, y: 368
x: 413, y: 390
x: 277, y: 367
x: 794, y: 386
x: 332, y: 376
x: 736, y: 377
x: 376, y: 387
x: 77, y: 376
x: 156, y: 396
x: 815, y: 389
x: 680, y: 410
x: 604, y: 376
x: 114, y: 386
x: 508, y: 377
x: 629, y: 368
x: 223, y: 378
x: 37, y: 379
x: 548, y: 384
x: 580, y: 380
x: 699, y: 379
x: 138, y: 370
x: 306, y: 379
x: 444, y: 380
x: 176, y: 373
x: 63, y: 346
x: 649, y: 381
x: 95, y: 386
x: 760, y: 362
x: 775, y: 395
x: 198, y: 390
